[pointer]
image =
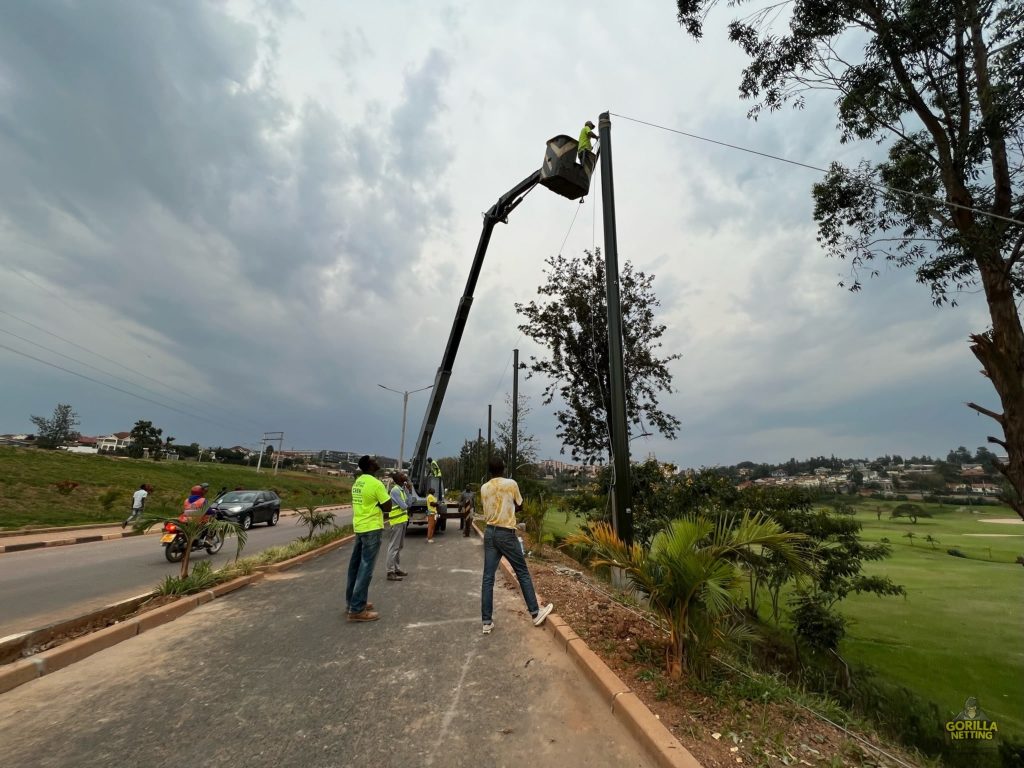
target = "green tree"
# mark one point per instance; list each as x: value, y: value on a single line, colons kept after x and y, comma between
x: 571, y: 321
x: 941, y: 86
x: 856, y: 479
x: 472, y: 464
x: 913, y: 511
x: 145, y: 437
x: 693, y: 574
x: 57, y: 430
x: 526, y: 441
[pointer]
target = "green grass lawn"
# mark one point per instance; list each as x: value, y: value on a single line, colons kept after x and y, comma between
x: 29, y: 496
x: 958, y: 631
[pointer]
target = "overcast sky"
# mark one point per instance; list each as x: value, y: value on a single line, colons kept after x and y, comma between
x: 252, y: 213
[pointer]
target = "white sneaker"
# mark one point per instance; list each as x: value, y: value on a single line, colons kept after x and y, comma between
x: 543, y: 614
x: 488, y: 627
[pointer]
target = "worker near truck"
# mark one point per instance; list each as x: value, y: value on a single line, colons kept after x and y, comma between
x: 501, y: 500
x: 431, y: 515
x: 399, y: 521
x: 370, y: 502
x: 466, y: 510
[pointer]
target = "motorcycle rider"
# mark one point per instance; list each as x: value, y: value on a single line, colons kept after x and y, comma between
x: 195, y: 505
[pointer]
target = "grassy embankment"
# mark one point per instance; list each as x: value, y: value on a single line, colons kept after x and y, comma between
x: 29, y: 495
x: 957, y: 633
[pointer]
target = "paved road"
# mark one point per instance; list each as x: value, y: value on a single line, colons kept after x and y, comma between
x: 46, y: 585
x: 274, y: 676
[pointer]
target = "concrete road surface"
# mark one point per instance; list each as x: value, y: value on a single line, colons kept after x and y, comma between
x: 274, y: 676
x: 40, y: 586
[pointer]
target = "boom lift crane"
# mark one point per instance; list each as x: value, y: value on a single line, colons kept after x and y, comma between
x: 562, y: 175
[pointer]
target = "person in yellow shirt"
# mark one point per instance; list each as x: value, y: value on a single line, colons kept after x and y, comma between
x: 431, y: 515
x: 501, y: 500
x: 584, y: 144
x: 370, y: 502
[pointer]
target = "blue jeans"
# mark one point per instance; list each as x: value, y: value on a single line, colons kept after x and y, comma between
x: 499, y: 543
x: 360, y: 569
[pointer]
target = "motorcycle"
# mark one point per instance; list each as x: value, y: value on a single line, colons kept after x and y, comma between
x: 174, y: 541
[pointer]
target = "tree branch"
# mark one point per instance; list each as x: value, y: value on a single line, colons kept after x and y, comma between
x: 998, y: 417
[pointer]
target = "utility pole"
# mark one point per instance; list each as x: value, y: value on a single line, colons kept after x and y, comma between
x: 622, y: 505
x: 270, y: 437
x: 515, y: 412
x: 488, y: 433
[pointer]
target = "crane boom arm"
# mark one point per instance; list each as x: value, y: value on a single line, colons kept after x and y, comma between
x: 498, y: 212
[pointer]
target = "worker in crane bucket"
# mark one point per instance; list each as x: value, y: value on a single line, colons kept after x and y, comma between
x: 584, y: 144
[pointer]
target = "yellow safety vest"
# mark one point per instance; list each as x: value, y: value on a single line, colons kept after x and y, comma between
x: 584, y: 144
x: 398, y: 515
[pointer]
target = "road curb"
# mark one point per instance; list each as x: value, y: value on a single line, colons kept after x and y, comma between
x: 305, y: 557
x: 66, y: 542
x: 17, y: 673
x: 661, y: 745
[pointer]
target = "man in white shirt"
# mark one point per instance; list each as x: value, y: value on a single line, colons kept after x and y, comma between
x: 138, y: 502
x: 501, y: 500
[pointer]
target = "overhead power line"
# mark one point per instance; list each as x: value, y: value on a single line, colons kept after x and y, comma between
x: 876, y: 185
x: 107, y: 373
x: 111, y: 386
x: 117, y: 363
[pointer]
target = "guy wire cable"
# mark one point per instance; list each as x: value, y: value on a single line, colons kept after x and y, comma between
x: 876, y: 185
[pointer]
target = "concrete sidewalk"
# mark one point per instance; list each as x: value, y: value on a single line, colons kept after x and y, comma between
x: 275, y: 676
x: 21, y: 540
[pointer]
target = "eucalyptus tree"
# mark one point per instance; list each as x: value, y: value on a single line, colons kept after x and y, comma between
x: 940, y: 86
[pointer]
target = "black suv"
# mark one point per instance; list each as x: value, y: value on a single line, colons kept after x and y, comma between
x: 248, y: 507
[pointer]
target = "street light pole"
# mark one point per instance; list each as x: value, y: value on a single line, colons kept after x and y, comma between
x: 405, y: 409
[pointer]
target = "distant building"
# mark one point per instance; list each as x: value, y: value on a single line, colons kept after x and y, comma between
x: 114, y: 442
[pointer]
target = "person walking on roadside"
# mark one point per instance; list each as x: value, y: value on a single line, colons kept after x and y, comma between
x: 501, y: 500
x: 466, y: 509
x: 138, y: 503
x: 399, y: 520
x: 370, y: 502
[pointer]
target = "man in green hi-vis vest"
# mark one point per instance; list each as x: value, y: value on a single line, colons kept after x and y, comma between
x: 370, y: 502
x: 399, y: 520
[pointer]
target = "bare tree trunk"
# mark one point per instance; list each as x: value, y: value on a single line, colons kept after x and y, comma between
x: 1001, y: 353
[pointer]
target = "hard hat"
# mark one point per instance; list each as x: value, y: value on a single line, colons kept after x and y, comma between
x: 590, y: 124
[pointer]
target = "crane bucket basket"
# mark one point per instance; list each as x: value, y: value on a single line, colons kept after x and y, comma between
x: 561, y: 173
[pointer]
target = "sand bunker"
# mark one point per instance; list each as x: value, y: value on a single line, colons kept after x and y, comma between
x: 1003, y: 520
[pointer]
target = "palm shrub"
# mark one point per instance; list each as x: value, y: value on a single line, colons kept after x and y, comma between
x: 192, y: 528
x: 202, y: 577
x: 314, y: 518
x: 693, y: 575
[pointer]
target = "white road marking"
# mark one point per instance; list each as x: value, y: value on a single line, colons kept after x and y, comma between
x: 421, y: 624
x: 449, y: 714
